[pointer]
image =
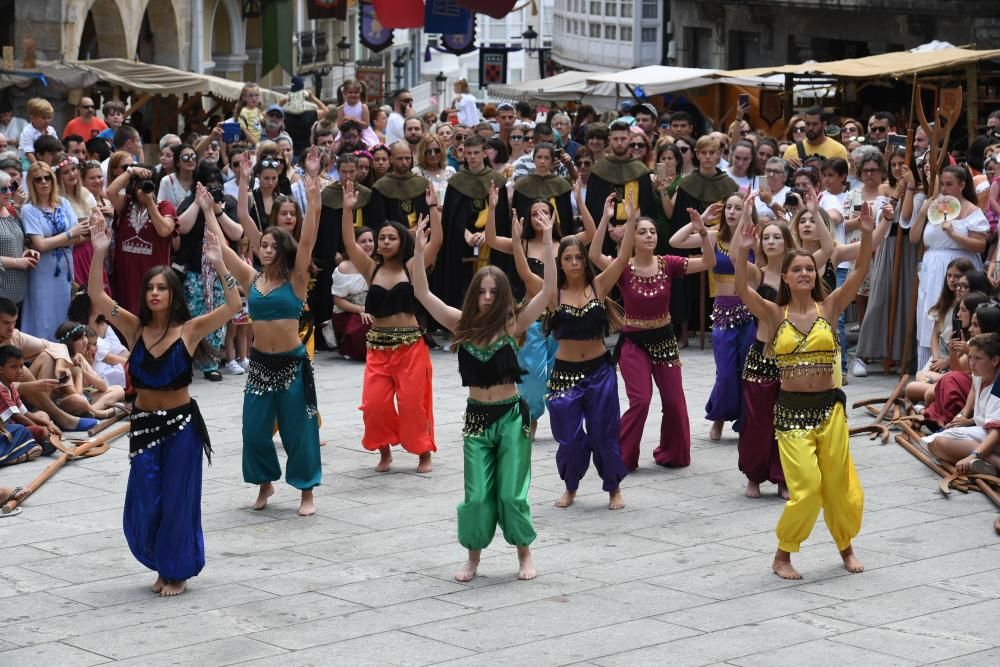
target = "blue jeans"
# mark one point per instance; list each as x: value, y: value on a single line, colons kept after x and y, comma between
x: 842, y: 324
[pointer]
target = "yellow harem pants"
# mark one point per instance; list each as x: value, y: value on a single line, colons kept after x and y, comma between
x: 820, y: 474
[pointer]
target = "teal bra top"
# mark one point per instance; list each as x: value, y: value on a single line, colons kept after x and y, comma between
x: 278, y: 304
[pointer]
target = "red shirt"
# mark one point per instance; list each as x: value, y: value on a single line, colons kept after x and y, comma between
x: 83, y: 128
x: 138, y: 248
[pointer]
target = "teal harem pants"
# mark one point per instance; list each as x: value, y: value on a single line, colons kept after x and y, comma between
x: 281, y: 387
x: 497, y: 474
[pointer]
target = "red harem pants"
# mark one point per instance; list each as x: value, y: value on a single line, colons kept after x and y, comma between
x: 950, y: 394
x: 398, y: 377
x: 639, y: 373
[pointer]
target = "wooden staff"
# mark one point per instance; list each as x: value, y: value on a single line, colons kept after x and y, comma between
x: 67, y: 456
x: 103, y: 424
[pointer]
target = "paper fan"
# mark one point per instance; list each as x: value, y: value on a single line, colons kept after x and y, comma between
x: 943, y: 208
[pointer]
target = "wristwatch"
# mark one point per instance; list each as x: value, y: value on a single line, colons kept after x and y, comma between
x: 975, y: 454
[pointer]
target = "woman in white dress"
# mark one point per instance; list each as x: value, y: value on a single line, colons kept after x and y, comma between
x: 965, y: 236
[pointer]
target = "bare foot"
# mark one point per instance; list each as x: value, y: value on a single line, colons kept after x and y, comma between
x: 752, y: 490
x: 266, y: 491
x: 526, y: 564
x: 385, y: 459
x: 173, y: 588
x: 783, y: 490
x: 566, y: 499
x: 307, y: 507
x: 851, y: 562
x: 615, y: 500
x: 782, y: 565
x: 715, y: 433
x: 425, y: 463
x: 468, y: 571
x: 159, y: 584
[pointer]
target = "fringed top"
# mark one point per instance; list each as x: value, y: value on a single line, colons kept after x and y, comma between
x: 491, y: 366
x: 587, y: 323
x: 797, y: 353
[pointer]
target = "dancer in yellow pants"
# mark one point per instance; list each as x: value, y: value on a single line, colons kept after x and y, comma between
x: 809, y: 417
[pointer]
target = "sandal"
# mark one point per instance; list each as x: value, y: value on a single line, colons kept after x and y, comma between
x: 981, y: 467
x: 16, y: 493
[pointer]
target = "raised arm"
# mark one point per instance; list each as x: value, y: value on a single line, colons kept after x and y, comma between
x: 596, y: 255
x: 201, y: 326
x: 606, y: 279
x: 163, y: 225
x: 250, y: 230
x: 446, y: 315
x: 532, y: 283
x: 307, y: 237
x: 362, y: 262
x: 501, y: 243
x: 115, y: 188
x: 589, y: 228
x: 827, y: 246
x: 437, y: 231
x: 707, y: 260
x: 124, y: 321
x: 686, y: 236
x: 746, y: 238
x: 839, y: 299
x: 243, y: 272
x: 538, y: 303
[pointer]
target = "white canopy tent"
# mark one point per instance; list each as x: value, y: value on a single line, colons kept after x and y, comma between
x: 565, y: 87
x: 661, y: 79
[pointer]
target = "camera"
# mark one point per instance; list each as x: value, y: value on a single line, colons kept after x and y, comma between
x: 216, y: 192
x: 145, y: 184
x: 794, y: 197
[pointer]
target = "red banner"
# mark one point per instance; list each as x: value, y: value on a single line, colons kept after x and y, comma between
x: 495, y: 8
x: 399, y: 13
x: 327, y: 9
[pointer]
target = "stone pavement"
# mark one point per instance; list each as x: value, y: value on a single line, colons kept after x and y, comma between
x: 680, y: 577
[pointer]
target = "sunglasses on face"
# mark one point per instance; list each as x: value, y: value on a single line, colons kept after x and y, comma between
x: 744, y: 133
x: 8, y: 189
x: 42, y: 179
x: 188, y: 157
x: 584, y: 163
x: 638, y: 145
x: 798, y: 128
x: 432, y: 151
x: 528, y: 137
x: 683, y: 149
x: 875, y: 129
x: 514, y: 138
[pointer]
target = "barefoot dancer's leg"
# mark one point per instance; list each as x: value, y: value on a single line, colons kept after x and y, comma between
x: 603, y: 416
x: 478, y: 512
x: 378, y: 406
x: 526, y: 569
x: 297, y: 424
x: 783, y: 567
x: 637, y: 371
x: 843, y: 499
x: 260, y: 460
x: 307, y: 507
x: 265, y: 492
x: 468, y: 571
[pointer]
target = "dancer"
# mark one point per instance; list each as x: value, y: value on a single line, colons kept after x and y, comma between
x: 280, y: 385
x: 809, y: 417
x: 398, y: 362
x: 162, y: 519
x: 758, y: 447
x: 647, y: 346
x: 732, y: 323
x: 496, y: 445
x: 538, y: 353
x: 583, y: 386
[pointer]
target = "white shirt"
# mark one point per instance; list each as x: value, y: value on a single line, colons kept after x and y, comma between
x: 468, y: 113
x: 764, y: 211
x: 394, y: 128
x: 13, y: 129
x: 745, y: 182
x: 26, y: 142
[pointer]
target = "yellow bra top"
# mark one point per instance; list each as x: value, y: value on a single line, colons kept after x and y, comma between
x: 797, y: 353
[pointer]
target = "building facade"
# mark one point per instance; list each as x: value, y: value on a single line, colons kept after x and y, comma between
x: 594, y: 35
x: 750, y: 33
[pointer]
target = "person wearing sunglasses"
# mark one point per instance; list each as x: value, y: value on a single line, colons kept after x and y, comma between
x: 176, y: 187
x: 639, y: 148
x: 584, y: 163
x: 86, y: 124
x: 51, y: 227
x: 809, y: 138
x: 17, y: 259
x: 432, y: 165
x: 545, y: 185
x: 271, y: 182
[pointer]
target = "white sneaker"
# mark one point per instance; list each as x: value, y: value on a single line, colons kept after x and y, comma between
x: 244, y: 364
x: 858, y: 368
x: 233, y: 368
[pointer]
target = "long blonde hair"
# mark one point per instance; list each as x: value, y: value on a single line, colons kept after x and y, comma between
x: 42, y: 169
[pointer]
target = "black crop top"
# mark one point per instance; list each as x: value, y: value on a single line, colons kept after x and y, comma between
x: 490, y: 366
x: 571, y: 323
x: 767, y: 292
x: 382, y: 302
x: 171, y: 370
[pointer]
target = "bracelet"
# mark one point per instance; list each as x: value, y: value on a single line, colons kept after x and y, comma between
x: 114, y: 310
x: 433, y: 206
x: 703, y: 233
x: 229, y: 280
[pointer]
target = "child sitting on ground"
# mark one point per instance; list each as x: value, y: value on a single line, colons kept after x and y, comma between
x: 24, y: 436
x: 970, y: 439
